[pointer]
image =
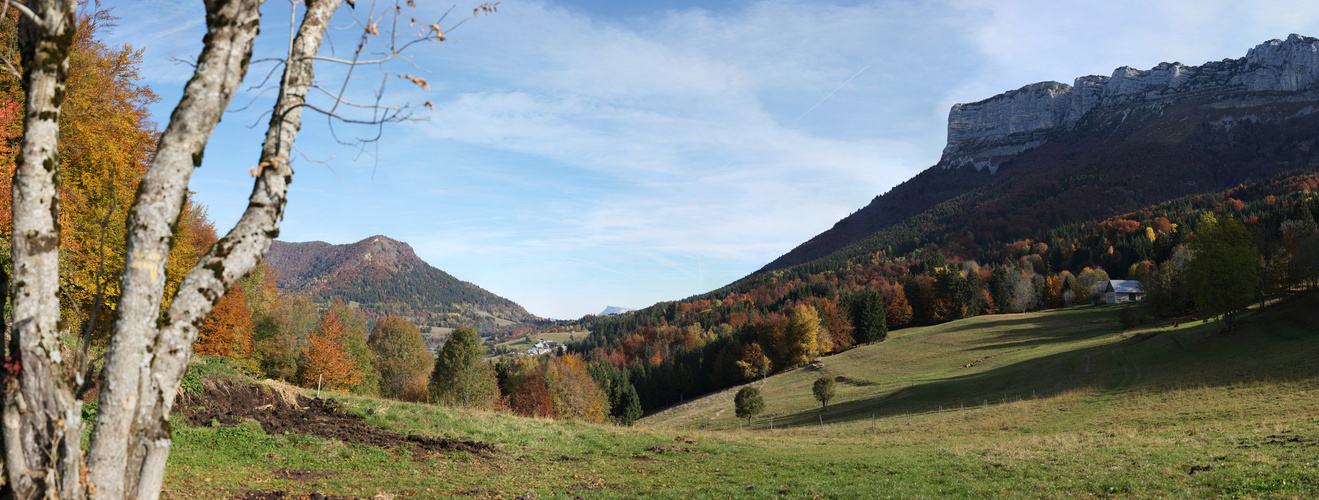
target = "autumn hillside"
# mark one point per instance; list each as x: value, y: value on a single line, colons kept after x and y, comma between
x: 1117, y: 161
x: 940, y: 370
x: 385, y: 277
x: 1062, y: 404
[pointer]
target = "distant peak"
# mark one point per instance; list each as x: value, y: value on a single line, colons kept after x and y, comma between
x: 615, y: 310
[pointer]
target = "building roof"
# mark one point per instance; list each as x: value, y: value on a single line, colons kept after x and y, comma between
x: 1126, y: 286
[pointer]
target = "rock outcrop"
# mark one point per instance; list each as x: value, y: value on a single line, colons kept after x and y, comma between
x: 984, y: 134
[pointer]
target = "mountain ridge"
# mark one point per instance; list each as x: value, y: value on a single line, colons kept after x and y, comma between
x: 1137, y: 137
x: 384, y: 276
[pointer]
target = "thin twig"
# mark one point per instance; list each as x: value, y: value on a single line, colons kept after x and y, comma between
x: 9, y: 65
x: 100, y: 274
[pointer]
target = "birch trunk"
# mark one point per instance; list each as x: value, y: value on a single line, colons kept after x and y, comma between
x: 41, y: 419
x: 148, y: 352
x: 231, y: 29
x: 167, y: 350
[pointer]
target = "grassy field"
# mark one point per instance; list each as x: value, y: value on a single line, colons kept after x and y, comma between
x: 1060, y: 404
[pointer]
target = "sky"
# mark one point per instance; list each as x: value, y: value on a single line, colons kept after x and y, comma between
x: 578, y: 154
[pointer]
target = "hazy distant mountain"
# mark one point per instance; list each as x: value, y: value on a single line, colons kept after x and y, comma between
x: 1049, y: 153
x: 615, y: 310
x: 384, y: 276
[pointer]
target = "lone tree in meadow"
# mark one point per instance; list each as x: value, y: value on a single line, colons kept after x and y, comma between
x: 748, y: 403
x: 1224, y: 274
x: 824, y: 391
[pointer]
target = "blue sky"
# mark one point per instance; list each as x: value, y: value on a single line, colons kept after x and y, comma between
x: 591, y: 153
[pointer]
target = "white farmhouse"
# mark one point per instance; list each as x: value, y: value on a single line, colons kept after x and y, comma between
x: 1119, y: 291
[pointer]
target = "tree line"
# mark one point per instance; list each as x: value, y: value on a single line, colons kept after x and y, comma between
x: 1212, y: 253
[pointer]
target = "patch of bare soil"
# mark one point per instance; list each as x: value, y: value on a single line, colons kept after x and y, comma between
x: 280, y: 412
x: 1280, y: 440
x: 300, y: 474
x: 674, y: 449
x: 282, y: 495
x: 598, y: 484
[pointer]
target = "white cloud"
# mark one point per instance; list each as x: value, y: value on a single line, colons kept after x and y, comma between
x: 574, y: 161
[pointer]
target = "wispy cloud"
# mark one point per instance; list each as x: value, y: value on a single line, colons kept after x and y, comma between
x: 575, y: 160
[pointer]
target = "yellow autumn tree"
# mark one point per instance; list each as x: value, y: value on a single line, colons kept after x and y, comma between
x: 573, y: 392
x: 106, y: 142
x: 800, y: 340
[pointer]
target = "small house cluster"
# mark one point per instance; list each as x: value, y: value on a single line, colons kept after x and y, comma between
x: 545, y: 347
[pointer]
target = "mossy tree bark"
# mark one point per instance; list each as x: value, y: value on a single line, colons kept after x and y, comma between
x: 148, y: 353
x: 41, y: 417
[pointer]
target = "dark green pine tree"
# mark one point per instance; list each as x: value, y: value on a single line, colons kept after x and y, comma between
x: 868, y: 321
x: 628, y: 409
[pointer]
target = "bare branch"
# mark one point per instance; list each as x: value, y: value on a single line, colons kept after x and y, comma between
x: 31, y: 16
x: 175, y: 59
x: 9, y: 65
x: 339, y: 97
x: 100, y: 282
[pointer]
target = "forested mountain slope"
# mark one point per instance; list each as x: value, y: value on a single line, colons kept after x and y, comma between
x: 384, y: 276
x: 1050, y: 154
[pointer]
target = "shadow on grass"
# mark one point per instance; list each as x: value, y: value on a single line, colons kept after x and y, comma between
x: 1276, y: 344
x: 1082, y: 323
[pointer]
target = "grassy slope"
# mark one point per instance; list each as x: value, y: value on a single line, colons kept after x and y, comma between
x: 1126, y: 413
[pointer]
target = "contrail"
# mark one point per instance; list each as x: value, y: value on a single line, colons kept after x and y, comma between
x: 829, y: 94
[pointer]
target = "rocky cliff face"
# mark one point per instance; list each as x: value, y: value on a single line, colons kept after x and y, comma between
x: 1102, y: 145
x: 986, y: 133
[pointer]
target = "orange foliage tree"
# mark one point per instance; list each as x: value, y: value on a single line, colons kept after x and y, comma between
x: 327, y: 362
x: 228, y: 330
x: 574, y: 393
x: 532, y: 396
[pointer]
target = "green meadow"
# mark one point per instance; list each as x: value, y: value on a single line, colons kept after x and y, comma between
x: 1056, y: 404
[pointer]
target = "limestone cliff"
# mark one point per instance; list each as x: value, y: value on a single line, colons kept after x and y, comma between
x: 984, y: 134
x: 1049, y: 154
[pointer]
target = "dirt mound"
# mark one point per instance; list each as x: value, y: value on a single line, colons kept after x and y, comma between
x: 228, y: 403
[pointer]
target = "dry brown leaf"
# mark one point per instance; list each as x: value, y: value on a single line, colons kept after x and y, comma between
x: 420, y: 82
x: 371, y: 28
x: 439, y: 35
x: 429, y: 105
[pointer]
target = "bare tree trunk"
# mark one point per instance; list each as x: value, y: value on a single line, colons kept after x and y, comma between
x: 41, y: 419
x: 170, y: 345
x: 231, y: 29
x: 148, y: 353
